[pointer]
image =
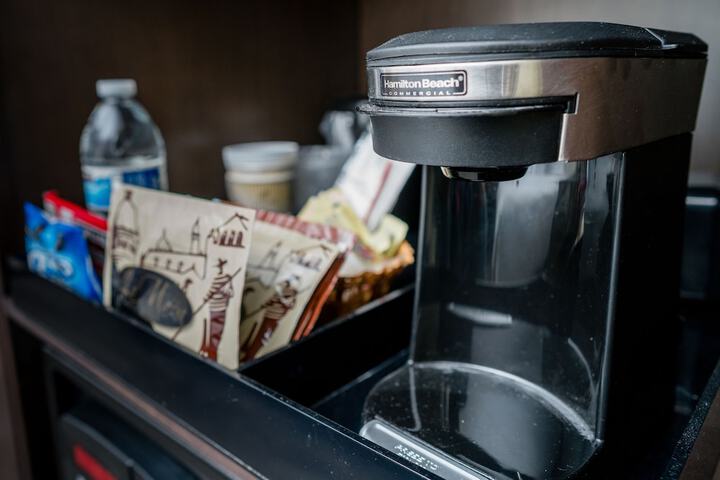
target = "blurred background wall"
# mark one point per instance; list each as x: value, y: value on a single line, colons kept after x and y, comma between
x: 210, y: 73
x: 219, y: 72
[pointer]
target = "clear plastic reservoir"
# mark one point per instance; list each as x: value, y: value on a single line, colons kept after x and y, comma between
x: 509, y: 352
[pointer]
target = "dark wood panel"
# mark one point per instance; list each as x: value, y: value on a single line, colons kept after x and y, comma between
x: 9, y: 459
x: 13, y: 455
x: 210, y: 73
x: 14, y: 462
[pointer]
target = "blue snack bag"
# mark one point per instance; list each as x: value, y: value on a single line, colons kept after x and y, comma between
x: 59, y: 252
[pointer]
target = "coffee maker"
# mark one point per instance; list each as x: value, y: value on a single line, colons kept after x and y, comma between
x: 555, y: 162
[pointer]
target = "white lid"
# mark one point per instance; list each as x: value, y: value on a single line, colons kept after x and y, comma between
x: 116, y: 87
x: 260, y: 156
x: 259, y: 177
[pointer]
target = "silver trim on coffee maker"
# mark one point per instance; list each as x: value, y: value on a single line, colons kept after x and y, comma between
x: 424, y: 456
x: 641, y: 109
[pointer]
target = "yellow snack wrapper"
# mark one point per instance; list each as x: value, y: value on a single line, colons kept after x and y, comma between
x: 331, y: 208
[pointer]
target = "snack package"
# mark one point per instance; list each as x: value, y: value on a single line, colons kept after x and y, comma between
x: 180, y: 263
x: 332, y: 208
x: 292, y: 270
x: 59, y: 252
x: 376, y: 259
x: 371, y: 184
x: 94, y: 226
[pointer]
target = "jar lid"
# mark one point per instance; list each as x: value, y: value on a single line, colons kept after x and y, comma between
x: 260, y: 156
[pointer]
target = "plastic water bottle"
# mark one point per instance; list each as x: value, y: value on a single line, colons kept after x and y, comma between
x: 120, y: 143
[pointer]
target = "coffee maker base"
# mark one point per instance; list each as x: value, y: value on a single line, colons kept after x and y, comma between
x: 464, y: 421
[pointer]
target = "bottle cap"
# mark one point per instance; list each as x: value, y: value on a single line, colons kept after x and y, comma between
x: 116, y: 87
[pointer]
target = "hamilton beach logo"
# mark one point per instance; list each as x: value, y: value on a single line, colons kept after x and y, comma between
x: 435, y: 84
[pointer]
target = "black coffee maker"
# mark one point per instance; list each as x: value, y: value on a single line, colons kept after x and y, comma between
x: 555, y: 162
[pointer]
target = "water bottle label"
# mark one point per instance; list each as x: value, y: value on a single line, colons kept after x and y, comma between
x: 148, y: 178
x: 98, y: 182
x: 97, y: 193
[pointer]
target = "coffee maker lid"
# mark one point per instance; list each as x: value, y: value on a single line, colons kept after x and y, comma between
x: 507, y: 96
x: 536, y: 40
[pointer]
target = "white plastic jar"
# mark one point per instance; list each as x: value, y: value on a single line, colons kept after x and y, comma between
x: 260, y: 174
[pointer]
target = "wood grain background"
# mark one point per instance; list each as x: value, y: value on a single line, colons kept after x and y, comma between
x: 210, y: 74
x: 223, y: 71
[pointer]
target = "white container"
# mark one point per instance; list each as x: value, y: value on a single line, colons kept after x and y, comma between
x: 317, y: 169
x: 260, y: 174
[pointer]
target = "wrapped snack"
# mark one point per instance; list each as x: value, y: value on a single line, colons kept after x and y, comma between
x: 378, y: 257
x: 371, y: 184
x: 94, y: 226
x: 179, y: 263
x: 58, y: 251
x: 292, y: 270
x: 360, y: 202
x: 331, y: 208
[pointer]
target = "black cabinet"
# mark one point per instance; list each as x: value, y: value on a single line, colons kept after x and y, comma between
x: 217, y: 423
x: 294, y: 413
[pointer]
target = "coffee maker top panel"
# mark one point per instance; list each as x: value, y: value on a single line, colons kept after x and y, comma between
x: 536, y: 40
x: 522, y: 94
